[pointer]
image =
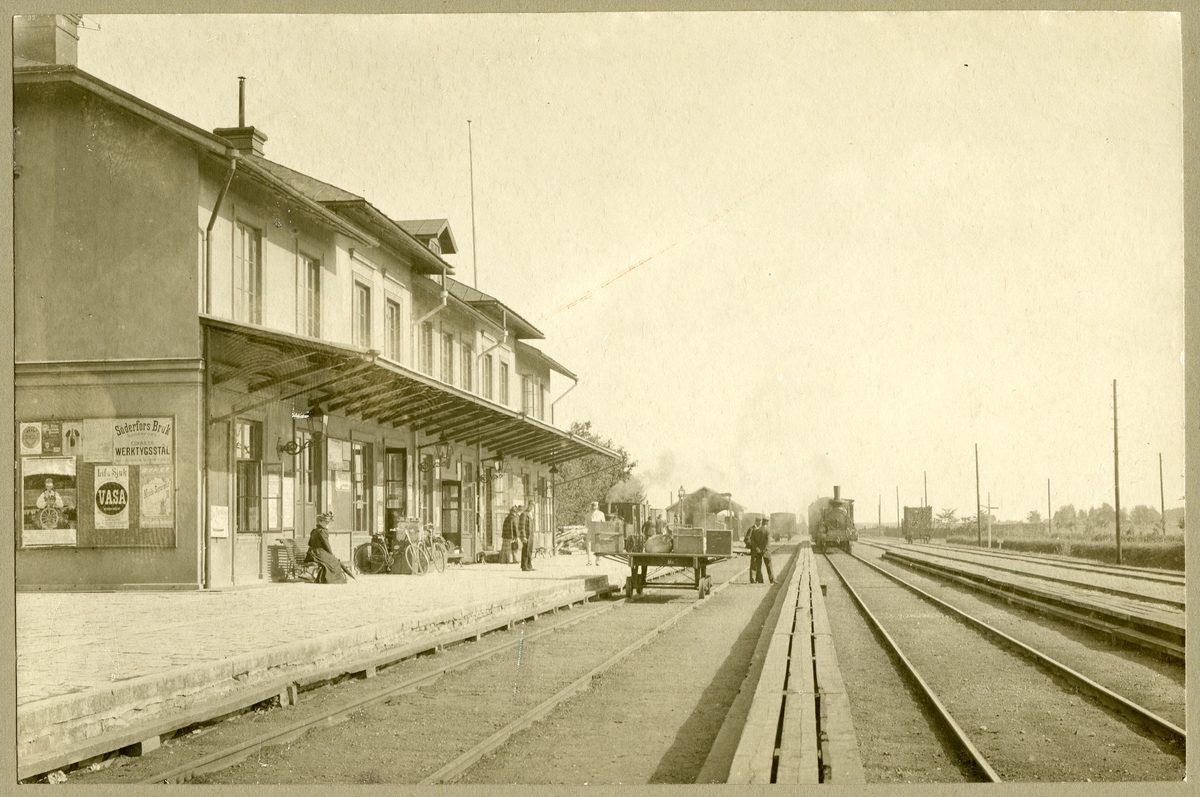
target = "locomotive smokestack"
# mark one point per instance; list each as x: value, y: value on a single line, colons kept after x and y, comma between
x: 837, y: 493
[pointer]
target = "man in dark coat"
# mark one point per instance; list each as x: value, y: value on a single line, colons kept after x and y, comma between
x: 508, y: 535
x: 525, y: 535
x: 330, y: 569
x: 756, y: 540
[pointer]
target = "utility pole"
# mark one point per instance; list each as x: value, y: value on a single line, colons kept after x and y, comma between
x: 1049, y: 515
x: 1116, y: 476
x: 471, y: 161
x: 1162, y: 501
x: 978, y: 519
x: 989, y: 508
x: 897, y: 509
x: 925, y: 475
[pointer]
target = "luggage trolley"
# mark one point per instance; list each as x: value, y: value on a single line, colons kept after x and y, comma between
x: 692, y: 550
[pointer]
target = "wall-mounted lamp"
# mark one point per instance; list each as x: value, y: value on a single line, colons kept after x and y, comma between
x: 497, y: 464
x: 317, y: 423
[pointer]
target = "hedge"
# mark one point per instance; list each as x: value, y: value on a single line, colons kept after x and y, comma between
x: 1166, y: 554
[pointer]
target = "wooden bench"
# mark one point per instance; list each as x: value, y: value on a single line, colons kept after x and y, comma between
x: 292, y: 566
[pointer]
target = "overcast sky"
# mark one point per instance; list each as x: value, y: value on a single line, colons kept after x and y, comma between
x: 783, y: 250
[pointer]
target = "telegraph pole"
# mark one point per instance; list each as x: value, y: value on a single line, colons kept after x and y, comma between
x: 897, y: 509
x: 1049, y: 515
x: 925, y: 474
x: 1162, y: 501
x: 989, y: 508
x: 1116, y: 476
x: 978, y: 519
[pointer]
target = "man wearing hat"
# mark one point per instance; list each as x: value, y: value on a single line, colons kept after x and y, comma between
x: 508, y: 535
x: 756, y: 540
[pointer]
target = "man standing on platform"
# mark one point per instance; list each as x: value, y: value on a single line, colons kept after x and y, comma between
x: 525, y: 535
x: 508, y: 535
x: 756, y: 540
x: 597, y: 516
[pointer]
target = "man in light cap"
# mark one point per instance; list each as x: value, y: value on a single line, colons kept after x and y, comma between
x: 597, y: 516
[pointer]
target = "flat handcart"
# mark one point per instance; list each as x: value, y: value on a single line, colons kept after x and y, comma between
x: 697, y: 564
x: 690, y: 550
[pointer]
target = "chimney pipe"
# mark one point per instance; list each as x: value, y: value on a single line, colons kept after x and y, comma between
x: 837, y: 493
x: 241, y: 101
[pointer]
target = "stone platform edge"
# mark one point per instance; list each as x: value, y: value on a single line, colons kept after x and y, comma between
x: 65, y: 729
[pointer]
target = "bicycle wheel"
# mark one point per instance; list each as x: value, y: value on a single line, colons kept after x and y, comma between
x: 423, y: 558
x: 371, y: 557
x: 412, y: 557
x: 437, y: 557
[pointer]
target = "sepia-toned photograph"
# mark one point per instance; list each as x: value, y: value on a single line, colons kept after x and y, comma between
x: 599, y: 398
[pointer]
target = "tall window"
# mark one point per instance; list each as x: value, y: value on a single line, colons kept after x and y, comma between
x: 485, y: 376
x: 527, y: 393
x: 360, y: 474
x: 504, y: 383
x: 362, y: 315
x: 448, y: 359
x: 247, y: 276
x: 247, y: 450
x: 426, y: 364
x: 541, y: 401
x: 310, y: 296
x: 467, y: 366
x: 395, y: 331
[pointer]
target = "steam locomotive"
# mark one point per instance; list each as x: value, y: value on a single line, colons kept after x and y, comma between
x: 831, y: 522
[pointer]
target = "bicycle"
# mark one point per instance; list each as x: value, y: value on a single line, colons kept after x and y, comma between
x: 374, y: 556
x: 435, y: 547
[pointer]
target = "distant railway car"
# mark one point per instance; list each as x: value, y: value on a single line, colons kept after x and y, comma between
x: 831, y: 522
x: 783, y: 525
x: 918, y: 523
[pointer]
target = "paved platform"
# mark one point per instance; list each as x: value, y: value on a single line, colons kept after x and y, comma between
x: 101, y: 668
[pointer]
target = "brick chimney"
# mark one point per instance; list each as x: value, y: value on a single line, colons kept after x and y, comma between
x: 246, y: 139
x: 46, y: 39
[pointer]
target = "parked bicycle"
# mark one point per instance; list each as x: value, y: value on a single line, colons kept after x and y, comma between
x: 379, y: 555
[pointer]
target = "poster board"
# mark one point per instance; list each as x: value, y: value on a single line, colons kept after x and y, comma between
x: 112, y: 482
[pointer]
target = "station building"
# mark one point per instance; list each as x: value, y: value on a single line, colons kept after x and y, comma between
x: 212, y: 348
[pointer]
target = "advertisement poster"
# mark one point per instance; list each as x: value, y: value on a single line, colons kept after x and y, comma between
x: 156, y: 508
x: 49, y: 498
x: 218, y: 521
x: 289, y: 502
x: 72, y: 438
x: 143, y: 441
x: 112, y: 496
x: 96, y: 440
x: 31, y: 439
x: 341, y: 481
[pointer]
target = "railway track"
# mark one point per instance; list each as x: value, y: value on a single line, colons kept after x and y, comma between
x: 1158, y: 596
x: 932, y: 647
x: 475, y: 734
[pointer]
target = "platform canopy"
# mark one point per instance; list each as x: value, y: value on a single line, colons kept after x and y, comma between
x: 349, y: 381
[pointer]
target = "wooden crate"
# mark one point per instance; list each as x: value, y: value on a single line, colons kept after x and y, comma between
x: 688, y: 541
x: 719, y: 542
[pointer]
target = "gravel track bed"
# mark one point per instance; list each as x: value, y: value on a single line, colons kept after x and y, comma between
x: 1027, y: 724
x: 653, y: 717
x: 413, y: 734
x: 1080, y: 578
x: 239, y: 728
x: 1146, y: 679
x: 897, y: 740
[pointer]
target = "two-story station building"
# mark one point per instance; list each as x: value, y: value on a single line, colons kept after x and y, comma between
x: 212, y: 348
